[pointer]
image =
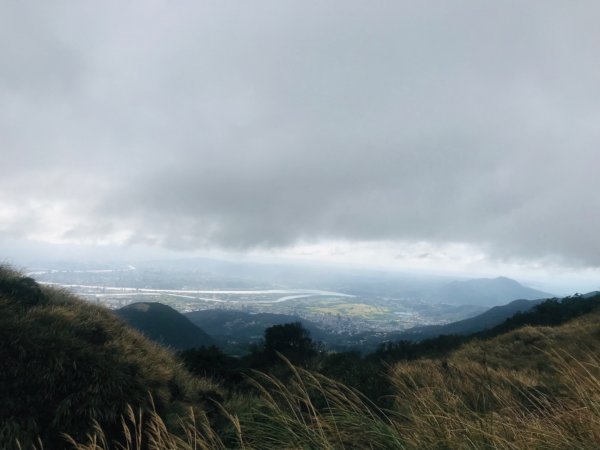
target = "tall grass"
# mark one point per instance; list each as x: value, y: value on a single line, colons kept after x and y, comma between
x: 309, y: 411
x: 551, y: 401
x: 469, y: 405
x: 142, y: 430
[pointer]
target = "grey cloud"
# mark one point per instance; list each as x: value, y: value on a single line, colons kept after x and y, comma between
x: 213, y: 125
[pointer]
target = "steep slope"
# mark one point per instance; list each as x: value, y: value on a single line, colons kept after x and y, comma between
x: 484, y: 292
x: 163, y: 324
x: 533, y: 387
x: 66, y: 363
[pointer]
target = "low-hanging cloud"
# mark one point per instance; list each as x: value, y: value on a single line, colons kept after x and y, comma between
x: 195, y: 125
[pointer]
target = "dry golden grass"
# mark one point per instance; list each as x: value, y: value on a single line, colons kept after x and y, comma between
x: 531, y: 388
x: 534, y: 388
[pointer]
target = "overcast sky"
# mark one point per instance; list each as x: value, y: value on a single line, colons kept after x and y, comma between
x: 439, y: 134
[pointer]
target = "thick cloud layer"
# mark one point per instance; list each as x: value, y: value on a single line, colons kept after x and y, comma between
x: 262, y: 124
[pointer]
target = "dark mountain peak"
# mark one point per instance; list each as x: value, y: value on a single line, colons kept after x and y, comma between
x: 165, y: 325
x: 497, y: 281
x: 506, y: 280
x: 149, y: 307
x: 517, y: 304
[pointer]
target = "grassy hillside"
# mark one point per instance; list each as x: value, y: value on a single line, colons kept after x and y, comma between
x: 66, y: 363
x: 532, y: 387
x: 163, y: 324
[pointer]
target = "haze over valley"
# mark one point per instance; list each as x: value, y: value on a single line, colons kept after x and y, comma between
x: 338, y: 300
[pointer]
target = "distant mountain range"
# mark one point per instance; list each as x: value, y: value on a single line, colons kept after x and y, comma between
x: 164, y: 325
x: 483, y: 292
